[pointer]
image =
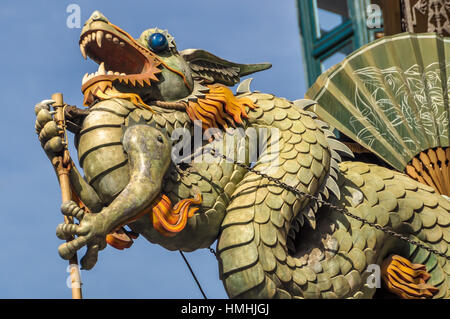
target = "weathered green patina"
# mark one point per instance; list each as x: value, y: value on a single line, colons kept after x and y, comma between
x: 271, y: 244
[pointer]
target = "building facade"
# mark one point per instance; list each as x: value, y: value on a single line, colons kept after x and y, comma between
x: 332, y: 29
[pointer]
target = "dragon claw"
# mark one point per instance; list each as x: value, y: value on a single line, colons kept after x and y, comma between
x: 66, y: 231
x: 68, y: 250
x: 49, y: 130
x: 54, y: 145
x: 70, y: 208
x: 43, y: 117
x: 89, y: 233
x: 90, y: 258
x: 49, y: 134
x: 43, y: 105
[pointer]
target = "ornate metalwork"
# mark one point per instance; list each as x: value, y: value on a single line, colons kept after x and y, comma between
x: 426, y: 16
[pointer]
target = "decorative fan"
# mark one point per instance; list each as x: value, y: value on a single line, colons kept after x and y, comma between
x: 391, y: 96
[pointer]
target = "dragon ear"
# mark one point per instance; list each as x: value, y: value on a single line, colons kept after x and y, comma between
x: 212, y: 69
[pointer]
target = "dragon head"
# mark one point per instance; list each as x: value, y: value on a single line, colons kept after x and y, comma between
x: 150, y: 71
x: 150, y: 68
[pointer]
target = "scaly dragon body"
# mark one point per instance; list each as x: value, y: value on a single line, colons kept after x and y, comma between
x: 271, y: 243
x: 254, y: 217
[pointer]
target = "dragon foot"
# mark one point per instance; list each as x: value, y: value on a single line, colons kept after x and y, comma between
x: 89, y: 233
x: 407, y: 280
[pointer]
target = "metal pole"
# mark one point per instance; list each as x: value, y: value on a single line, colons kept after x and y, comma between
x: 62, y: 167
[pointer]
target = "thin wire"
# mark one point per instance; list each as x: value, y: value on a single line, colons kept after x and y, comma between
x: 193, y: 275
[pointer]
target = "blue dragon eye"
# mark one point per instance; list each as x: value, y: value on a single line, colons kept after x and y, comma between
x: 157, y: 42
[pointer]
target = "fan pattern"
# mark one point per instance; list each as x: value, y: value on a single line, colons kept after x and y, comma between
x: 403, y: 98
x: 390, y: 96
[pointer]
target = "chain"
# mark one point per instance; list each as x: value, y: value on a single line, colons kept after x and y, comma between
x: 301, y: 194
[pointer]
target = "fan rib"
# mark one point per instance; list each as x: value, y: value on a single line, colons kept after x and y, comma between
x: 431, y: 167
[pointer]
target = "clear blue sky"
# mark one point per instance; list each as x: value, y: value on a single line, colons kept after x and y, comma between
x: 39, y: 56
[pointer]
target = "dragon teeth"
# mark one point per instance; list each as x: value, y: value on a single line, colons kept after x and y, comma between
x: 87, y: 77
x: 101, y: 69
x: 99, y: 38
x: 83, y: 51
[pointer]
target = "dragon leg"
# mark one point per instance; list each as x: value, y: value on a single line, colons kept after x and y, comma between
x: 148, y: 153
x: 84, y: 192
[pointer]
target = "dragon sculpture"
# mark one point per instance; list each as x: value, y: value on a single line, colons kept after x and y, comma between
x: 272, y: 243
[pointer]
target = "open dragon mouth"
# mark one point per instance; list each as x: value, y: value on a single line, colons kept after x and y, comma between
x: 121, y: 59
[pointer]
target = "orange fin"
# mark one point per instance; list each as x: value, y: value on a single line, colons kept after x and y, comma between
x: 120, y: 239
x: 405, y: 279
x: 169, y: 220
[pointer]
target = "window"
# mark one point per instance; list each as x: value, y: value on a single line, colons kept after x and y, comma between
x: 331, y: 30
x: 330, y: 14
x: 337, y: 56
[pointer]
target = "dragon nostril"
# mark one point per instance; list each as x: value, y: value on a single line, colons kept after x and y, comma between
x: 98, y: 16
